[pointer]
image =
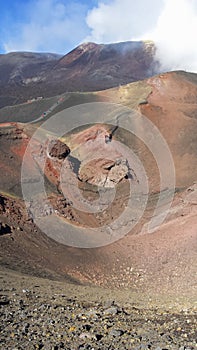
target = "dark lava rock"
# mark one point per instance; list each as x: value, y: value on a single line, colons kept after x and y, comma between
x: 58, y: 149
x: 4, y: 229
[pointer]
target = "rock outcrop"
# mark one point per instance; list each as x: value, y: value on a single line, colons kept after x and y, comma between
x: 58, y: 149
x: 104, y: 172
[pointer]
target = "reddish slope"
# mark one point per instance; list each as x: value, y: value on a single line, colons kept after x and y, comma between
x: 172, y: 107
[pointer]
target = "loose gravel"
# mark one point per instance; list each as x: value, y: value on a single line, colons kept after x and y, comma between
x: 32, y: 319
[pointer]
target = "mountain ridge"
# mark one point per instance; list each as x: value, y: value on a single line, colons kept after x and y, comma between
x: 88, y: 67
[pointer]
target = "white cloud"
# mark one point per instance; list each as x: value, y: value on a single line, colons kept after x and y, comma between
x: 48, y: 25
x: 122, y: 20
x: 175, y: 35
x: 172, y: 24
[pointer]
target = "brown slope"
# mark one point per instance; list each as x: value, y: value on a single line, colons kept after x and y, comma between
x: 175, y: 94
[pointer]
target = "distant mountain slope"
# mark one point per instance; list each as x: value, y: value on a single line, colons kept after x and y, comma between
x: 99, y: 67
x: 89, y: 67
x: 15, y: 67
x: 19, y: 68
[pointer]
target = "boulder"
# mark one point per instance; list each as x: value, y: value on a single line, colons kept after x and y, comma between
x: 103, y: 172
x: 58, y: 149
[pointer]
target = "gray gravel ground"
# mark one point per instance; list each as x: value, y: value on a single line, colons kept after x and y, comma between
x: 43, y: 317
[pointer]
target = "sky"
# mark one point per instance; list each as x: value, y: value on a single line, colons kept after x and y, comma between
x: 60, y: 25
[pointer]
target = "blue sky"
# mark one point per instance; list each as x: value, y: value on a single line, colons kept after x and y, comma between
x: 43, y: 25
x: 60, y: 25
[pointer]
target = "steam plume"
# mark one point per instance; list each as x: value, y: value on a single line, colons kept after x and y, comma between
x: 171, y: 24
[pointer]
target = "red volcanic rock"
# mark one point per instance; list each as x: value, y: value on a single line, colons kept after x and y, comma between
x: 102, y: 161
x: 58, y: 149
x: 104, y: 172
